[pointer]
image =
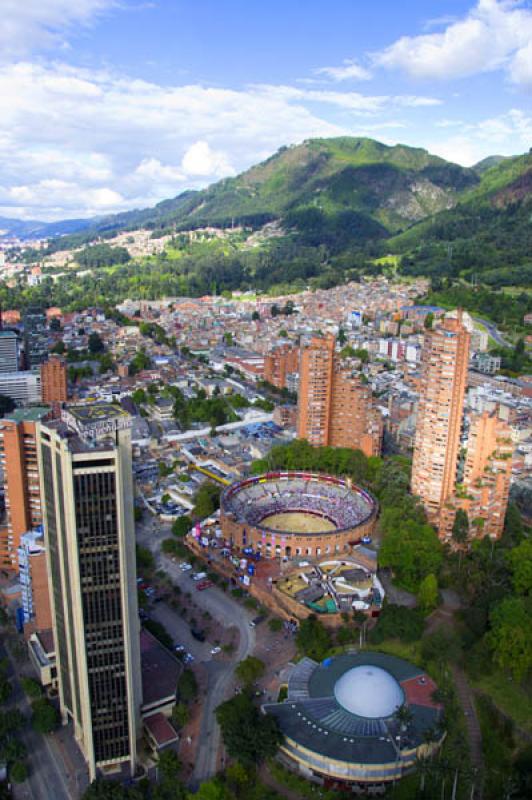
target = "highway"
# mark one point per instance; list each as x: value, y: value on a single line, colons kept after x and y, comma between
x: 220, y: 673
x: 493, y: 332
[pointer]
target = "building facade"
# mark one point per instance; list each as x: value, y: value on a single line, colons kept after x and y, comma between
x: 87, y: 491
x: 279, y: 363
x: 22, y: 387
x: 485, y: 487
x: 33, y: 574
x: 335, y: 407
x: 19, y: 462
x: 54, y: 380
x: 439, y: 421
x: 9, y: 351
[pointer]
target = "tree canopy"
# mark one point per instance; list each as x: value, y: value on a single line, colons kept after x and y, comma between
x: 248, y: 735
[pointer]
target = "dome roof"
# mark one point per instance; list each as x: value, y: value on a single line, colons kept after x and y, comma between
x: 368, y: 691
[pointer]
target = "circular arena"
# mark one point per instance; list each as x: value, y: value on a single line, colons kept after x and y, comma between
x: 291, y: 514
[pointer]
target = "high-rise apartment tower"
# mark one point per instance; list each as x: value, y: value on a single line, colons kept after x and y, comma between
x: 439, y: 421
x: 335, y: 406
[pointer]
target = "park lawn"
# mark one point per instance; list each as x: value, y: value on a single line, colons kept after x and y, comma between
x: 509, y: 697
x: 395, y: 647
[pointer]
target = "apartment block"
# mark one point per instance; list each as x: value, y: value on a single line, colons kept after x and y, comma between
x: 54, y: 380
x: 445, y: 360
x: 279, y: 363
x: 335, y: 405
x: 485, y: 487
x: 20, y: 475
x: 87, y: 491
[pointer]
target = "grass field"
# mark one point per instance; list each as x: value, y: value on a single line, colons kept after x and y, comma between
x: 511, y: 698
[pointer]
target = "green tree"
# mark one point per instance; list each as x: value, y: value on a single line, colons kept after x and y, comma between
x: 214, y: 789
x: 181, y: 526
x: 96, y: 344
x: 106, y: 363
x: 429, y: 320
x: 101, y: 789
x: 18, y: 772
x: 248, y: 734
x: 397, y: 622
x: 510, y: 637
x: 255, y: 316
x: 169, y: 765
x: 30, y: 687
x: 6, y: 688
x: 341, y: 337
x: 520, y: 562
x: 313, y: 639
x: 45, y: 718
x: 427, y: 593
x: 460, y: 529
x: 410, y: 548
x: 145, y: 559
x: 250, y: 670
x: 187, y: 687
x: 59, y: 348
x: 206, y: 500
x: 180, y: 715
x: 513, y: 524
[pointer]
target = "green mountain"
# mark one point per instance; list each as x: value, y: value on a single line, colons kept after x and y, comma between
x: 488, y: 233
x: 388, y: 188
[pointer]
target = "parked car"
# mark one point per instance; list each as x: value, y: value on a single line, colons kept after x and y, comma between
x: 185, y: 566
x: 197, y: 634
x: 179, y: 648
x: 203, y: 585
x: 366, y: 540
x: 199, y: 576
x: 215, y: 651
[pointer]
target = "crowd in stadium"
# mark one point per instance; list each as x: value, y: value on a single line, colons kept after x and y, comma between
x: 255, y: 501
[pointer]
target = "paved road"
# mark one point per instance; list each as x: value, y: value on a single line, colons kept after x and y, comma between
x: 220, y: 674
x: 46, y: 776
x: 493, y: 332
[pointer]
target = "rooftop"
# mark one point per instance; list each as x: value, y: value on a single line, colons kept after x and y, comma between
x: 30, y: 414
x: 87, y: 415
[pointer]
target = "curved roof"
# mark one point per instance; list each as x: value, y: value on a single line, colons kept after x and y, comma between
x: 344, y: 708
x: 368, y: 691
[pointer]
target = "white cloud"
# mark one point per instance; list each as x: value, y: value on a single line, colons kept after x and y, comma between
x: 201, y: 159
x: 96, y: 131
x: 495, y: 34
x: 506, y: 134
x: 26, y: 25
x: 349, y: 70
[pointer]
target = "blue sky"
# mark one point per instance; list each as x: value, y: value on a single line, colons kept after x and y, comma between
x: 115, y: 104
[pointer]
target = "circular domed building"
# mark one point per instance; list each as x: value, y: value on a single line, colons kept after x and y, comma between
x: 341, y: 722
x: 290, y: 514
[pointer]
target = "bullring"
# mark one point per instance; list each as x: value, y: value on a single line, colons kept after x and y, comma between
x: 296, y: 514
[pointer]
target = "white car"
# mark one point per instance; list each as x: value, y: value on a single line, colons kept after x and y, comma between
x: 215, y: 651
x: 185, y: 567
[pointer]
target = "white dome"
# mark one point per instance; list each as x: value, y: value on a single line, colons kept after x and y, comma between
x: 368, y: 691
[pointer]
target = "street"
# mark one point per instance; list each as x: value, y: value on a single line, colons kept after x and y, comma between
x: 227, y: 612
x: 47, y: 777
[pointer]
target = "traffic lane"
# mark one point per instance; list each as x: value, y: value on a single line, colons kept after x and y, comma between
x: 220, y: 605
x: 179, y: 630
